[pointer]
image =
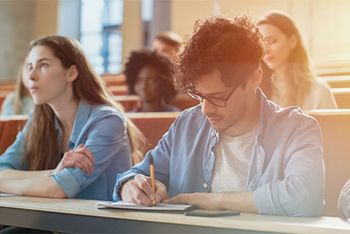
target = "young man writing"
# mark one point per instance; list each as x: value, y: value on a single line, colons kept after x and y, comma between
x: 236, y: 150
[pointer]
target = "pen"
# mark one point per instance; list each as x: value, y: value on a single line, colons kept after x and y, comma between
x: 151, y: 170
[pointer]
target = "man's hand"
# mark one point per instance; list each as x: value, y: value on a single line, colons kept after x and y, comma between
x: 207, y: 201
x: 139, y: 191
x: 80, y: 157
x: 241, y: 201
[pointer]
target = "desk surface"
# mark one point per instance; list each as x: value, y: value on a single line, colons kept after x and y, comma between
x: 74, y: 215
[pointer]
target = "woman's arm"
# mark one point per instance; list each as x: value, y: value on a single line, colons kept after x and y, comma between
x: 26, y: 182
x: 41, y: 186
x: 11, y: 174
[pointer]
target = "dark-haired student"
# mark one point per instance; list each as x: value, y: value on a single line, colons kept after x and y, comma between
x: 236, y: 150
x: 148, y: 76
x: 76, y: 140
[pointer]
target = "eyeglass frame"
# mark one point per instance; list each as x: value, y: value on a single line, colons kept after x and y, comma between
x: 200, y: 97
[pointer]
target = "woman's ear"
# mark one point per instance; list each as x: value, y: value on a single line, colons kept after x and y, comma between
x: 72, y: 73
x: 293, y: 41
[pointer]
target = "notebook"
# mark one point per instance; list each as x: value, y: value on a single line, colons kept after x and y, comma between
x: 130, y: 206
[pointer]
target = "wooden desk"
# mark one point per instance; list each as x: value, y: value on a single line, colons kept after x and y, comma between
x: 82, y: 216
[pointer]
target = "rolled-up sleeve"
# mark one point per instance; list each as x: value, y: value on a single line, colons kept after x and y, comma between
x: 301, y: 191
x: 106, y: 139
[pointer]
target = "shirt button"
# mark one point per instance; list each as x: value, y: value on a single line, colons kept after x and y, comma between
x: 205, y: 185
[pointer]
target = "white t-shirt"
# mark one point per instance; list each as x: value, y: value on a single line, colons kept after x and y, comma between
x: 232, y: 161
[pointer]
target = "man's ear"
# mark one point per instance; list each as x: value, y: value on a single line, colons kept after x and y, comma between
x: 256, y: 78
x: 72, y: 73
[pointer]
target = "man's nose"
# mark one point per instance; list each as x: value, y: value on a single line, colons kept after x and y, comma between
x: 207, y: 108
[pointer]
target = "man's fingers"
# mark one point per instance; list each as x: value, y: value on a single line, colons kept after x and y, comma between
x: 144, y: 184
x: 135, y: 194
x: 161, y: 193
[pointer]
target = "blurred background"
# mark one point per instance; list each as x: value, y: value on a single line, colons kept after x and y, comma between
x: 110, y: 29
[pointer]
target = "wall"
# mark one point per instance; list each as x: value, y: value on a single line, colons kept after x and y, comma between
x: 16, y: 31
x: 21, y: 22
x: 323, y: 23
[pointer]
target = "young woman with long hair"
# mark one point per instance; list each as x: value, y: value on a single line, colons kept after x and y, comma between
x: 292, y: 81
x: 76, y: 140
x: 20, y: 101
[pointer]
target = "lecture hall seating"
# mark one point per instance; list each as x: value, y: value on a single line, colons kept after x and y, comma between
x: 114, y: 79
x: 336, y: 134
x: 337, y: 81
x: 342, y: 97
x: 335, y: 129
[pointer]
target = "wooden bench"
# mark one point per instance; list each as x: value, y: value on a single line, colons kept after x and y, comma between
x: 336, y: 134
x: 118, y: 90
x: 9, y: 127
x: 337, y: 81
x: 130, y: 102
x: 342, y: 97
x: 152, y: 124
x: 3, y: 95
x: 114, y: 79
x: 7, y: 85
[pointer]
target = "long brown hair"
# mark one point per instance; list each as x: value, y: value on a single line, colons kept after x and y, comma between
x: 41, y: 148
x: 298, y: 70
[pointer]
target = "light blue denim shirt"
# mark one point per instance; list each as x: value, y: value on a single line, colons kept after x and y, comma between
x: 102, y: 129
x: 286, y: 173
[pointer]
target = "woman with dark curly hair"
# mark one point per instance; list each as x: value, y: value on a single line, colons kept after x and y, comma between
x: 148, y: 76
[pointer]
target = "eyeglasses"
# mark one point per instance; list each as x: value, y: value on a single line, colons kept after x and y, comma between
x: 216, y: 101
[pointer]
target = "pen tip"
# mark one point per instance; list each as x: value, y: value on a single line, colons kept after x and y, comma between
x: 151, y: 159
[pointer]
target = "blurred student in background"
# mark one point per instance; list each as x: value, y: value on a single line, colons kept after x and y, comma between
x: 292, y: 82
x: 76, y: 140
x: 166, y: 44
x: 148, y: 76
x: 20, y: 101
x: 344, y: 200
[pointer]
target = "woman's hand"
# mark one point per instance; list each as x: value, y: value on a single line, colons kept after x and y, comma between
x: 80, y: 157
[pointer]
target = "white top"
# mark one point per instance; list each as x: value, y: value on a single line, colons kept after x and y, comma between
x: 232, y: 161
x: 320, y: 97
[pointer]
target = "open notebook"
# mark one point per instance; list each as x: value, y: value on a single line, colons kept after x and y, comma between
x: 131, y: 206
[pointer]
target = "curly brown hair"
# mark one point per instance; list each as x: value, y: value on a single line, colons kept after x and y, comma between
x: 233, y: 46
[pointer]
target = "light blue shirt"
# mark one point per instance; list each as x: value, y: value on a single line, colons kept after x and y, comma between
x: 8, y: 108
x: 102, y: 129
x: 286, y: 173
